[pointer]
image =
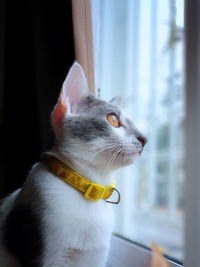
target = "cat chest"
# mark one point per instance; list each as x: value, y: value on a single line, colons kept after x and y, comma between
x: 79, y: 225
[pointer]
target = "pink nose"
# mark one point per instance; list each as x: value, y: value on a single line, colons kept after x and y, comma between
x: 142, y: 139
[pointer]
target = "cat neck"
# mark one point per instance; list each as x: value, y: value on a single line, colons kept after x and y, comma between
x: 96, y: 174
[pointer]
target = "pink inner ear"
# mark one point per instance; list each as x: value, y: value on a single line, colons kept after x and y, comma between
x: 74, y: 87
x: 59, y: 111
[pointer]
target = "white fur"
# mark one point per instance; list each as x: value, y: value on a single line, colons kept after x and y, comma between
x: 76, y: 230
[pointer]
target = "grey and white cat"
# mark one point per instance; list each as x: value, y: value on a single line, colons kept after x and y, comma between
x: 48, y: 222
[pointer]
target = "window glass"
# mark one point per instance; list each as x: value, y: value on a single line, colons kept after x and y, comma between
x: 139, y: 55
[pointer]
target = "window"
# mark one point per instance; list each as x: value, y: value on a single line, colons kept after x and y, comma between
x: 139, y: 54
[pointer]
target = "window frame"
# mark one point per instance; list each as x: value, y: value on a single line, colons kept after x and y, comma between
x: 132, y: 253
x: 192, y: 85
x: 83, y: 39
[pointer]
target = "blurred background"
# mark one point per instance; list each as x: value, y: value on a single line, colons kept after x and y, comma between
x: 139, y: 53
x: 36, y: 52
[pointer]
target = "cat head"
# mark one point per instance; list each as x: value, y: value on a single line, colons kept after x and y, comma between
x: 91, y: 130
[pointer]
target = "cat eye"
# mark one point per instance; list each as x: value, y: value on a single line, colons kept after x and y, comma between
x: 113, y: 120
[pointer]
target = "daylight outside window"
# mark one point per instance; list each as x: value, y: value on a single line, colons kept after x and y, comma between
x: 139, y: 55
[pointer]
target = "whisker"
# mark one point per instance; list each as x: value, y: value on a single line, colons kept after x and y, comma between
x: 104, y: 149
x: 113, y: 157
x: 109, y: 162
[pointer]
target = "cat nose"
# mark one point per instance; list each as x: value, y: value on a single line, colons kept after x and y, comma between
x: 142, y: 139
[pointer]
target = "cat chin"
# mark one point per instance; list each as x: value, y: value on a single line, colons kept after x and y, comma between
x: 130, y: 159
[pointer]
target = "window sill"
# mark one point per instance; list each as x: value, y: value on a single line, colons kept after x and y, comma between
x: 128, y: 254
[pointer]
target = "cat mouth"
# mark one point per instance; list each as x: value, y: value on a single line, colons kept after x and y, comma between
x: 140, y: 152
x: 125, y: 153
x: 124, y: 156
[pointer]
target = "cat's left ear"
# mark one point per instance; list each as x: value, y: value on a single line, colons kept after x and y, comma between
x: 73, y: 89
x: 116, y: 100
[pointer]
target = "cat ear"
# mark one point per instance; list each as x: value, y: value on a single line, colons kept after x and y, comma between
x: 116, y: 100
x: 73, y: 89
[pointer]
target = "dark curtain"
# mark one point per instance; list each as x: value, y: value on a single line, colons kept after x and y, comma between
x: 38, y: 52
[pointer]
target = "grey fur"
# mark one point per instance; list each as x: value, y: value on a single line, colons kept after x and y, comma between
x: 87, y: 128
x: 131, y: 129
x: 91, y: 120
x: 87, y: 133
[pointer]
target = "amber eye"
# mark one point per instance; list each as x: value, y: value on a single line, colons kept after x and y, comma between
x: 113, y: 120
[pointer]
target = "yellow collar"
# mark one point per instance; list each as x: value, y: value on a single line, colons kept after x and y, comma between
x: 90, y: 190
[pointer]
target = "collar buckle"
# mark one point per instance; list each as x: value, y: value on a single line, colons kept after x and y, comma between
x: 95, y: 192
x: 114, y: 202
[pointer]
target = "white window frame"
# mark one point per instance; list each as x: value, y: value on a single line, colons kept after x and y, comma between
x: 128, y: 254
x: 125, y: 253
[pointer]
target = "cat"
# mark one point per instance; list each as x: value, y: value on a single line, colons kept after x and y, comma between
x: 49, y: 222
